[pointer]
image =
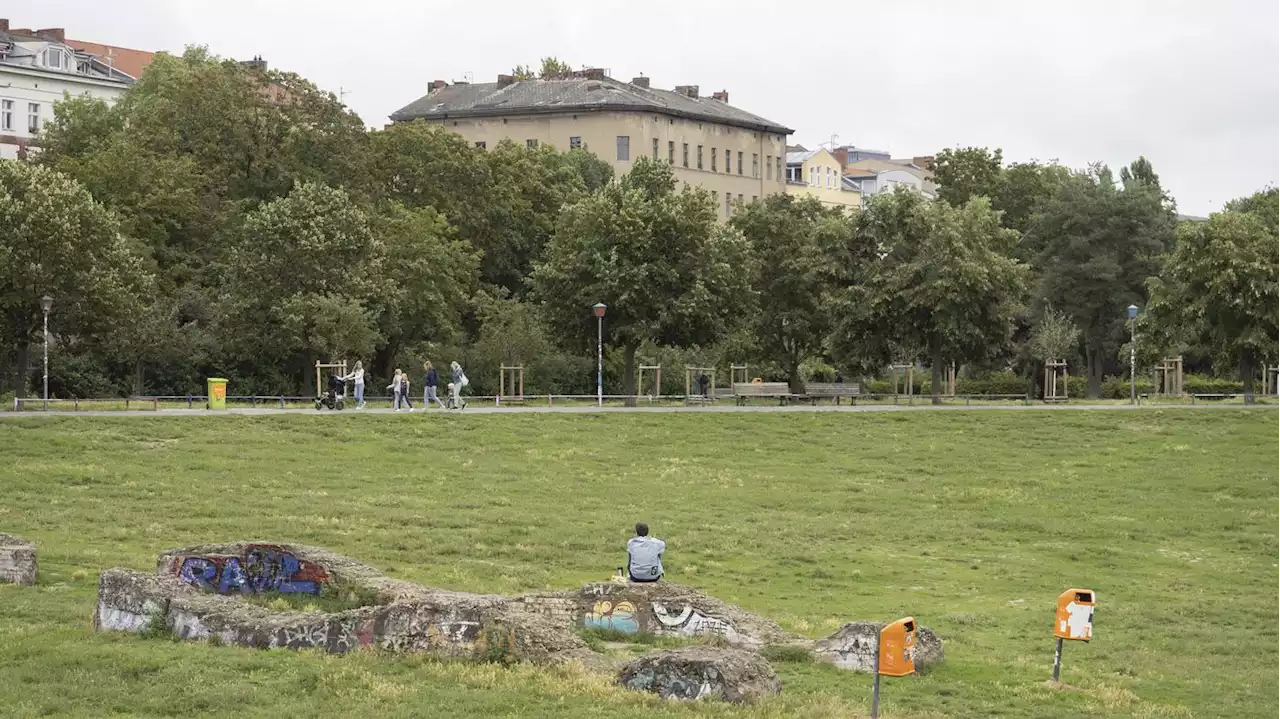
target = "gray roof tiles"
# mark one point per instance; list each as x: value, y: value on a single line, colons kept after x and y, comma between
x: 538, y: 96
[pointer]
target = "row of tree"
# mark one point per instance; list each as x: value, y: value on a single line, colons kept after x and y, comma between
x: 225, y: 220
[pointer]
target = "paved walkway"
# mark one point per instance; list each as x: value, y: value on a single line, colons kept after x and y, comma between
x: 490, y: 409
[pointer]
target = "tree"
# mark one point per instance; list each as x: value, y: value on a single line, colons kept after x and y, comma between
x: 553, y: 67
x: 595, y: 173
x: 669, y: 272
x: 59, y: 242
x: 1219, y: 288
x: 1096, y: 245
x: 523, y: 72
x: 942, y: 280
x: 302, y: 273
x: 1054, y: 336
x: 1024, y: 187
x: 967, y: 172
x: 1264, y: 204
x: 803, y: 255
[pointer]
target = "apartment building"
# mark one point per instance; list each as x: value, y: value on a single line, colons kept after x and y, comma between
x: 738, y: 156
x: 818, y: 174
x: 37, y: 69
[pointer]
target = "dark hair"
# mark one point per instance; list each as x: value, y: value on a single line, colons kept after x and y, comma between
x: 642, y: 529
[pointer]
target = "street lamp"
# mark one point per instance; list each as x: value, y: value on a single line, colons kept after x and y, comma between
x: 46, y: 304
x: 1133, y: 355
x: 598, y: 308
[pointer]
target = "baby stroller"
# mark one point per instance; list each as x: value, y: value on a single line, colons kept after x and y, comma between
x: 336, y: 397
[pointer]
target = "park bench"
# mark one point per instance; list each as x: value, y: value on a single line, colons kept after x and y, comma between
x: 815, y: 391
x: 743, y: 391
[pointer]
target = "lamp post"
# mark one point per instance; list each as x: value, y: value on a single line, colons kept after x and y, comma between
x: 46, y: 304
x: 1133, y: 355
x: 598, y: 308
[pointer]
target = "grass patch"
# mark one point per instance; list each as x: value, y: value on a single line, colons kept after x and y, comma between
x: 787, y: 653
x: 972, y: 522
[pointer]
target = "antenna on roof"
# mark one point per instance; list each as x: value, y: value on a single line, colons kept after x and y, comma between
x: 469, y: 76
x: 342, y: 93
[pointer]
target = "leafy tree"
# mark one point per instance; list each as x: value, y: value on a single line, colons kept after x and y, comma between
x: 302, y: 272
x: 523, y: 72
x: 595, y: 173
x: 942, y: 280
x: 1024, y: 187
x: 1097, y: 243
x: 59, y: 242
x: 967, y: 172
x: 803, y: 255
x: 1264, y: 204
x: 427, y: 280
x: 1054, y: 336
x: 553, y: 67
x: 669, y: 272
x: 1219, y: 288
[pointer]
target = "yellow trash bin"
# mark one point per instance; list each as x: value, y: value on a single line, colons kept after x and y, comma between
x: 217, y: 393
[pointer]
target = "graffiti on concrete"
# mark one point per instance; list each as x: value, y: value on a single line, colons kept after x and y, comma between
x: 607, y: 615
x: 690, y: 622
x: 261, y: 568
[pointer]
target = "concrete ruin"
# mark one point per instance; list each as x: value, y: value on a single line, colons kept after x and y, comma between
x: 17, y: 560
x: 199, y: 593
x: 732, y: 675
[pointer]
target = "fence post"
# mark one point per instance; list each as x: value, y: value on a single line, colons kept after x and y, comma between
x: 155, y: 404
x: 126, y: 404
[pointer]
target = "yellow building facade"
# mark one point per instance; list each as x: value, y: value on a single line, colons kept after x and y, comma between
x: 818, y: 174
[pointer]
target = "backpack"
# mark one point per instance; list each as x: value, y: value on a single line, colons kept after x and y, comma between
x: 464, y: 382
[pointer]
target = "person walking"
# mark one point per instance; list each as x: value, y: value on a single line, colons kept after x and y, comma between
x: 429, y: 384
x: 394, y: 387
x: 357, y: 376
x: 404, y: 391
x: 455, y: 387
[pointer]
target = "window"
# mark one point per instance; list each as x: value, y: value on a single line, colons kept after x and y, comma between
x: 33, y: 117
x: 655, y: 148
x: 755, y: 197
x: 728, y: 161
x: 739, y: 198
x: 686, y: 154
x: 713, y: 159
x: 624, y: 147
x: 813, y: 180
x: 575, y: 143
x: 728, y: 205
x: 699, y: 157
x: 715, y: 199
x: 480, y: 145
x: 755, y: 165
x: 6, y: 115
x: 53, y: 58
x: 793, y: 174
x: 671, y: 152
x: 768, y: 169
x: 739, y: 163
x: 778, y: 162
x: 531, y: 144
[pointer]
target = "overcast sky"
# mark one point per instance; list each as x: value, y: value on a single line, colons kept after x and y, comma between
x: 1193, y: 86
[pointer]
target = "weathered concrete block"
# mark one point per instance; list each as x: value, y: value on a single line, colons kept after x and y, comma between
x: 17, y: 560
x: 733, y: 675
x: 130, y: 601
x: 853, y: 647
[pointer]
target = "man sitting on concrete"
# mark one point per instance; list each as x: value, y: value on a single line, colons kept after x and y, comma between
x: 644, y: 555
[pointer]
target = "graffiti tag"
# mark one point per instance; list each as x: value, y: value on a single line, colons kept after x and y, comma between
x: 259, y: 569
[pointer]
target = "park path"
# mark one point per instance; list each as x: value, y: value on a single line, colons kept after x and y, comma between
x: 489, y: 409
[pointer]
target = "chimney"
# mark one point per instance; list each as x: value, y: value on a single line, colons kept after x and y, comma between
x: 438, y: 85
x: 4, y: 24
x: 641, y: 81
x: 53, y: 34
x: 690, y: 91
x: 257, y: 63
x: 722, y: 96
x: 504, y: 80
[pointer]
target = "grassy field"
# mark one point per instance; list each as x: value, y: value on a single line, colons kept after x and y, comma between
x: 971, y: 521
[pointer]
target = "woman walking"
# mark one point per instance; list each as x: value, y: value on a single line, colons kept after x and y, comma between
x: 357, y: 375
x: 429, y: 384
x: 455, y: 387
x: 394, y: 387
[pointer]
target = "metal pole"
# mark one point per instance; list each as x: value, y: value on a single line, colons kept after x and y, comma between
x: 599, y: 361
x: 1133, y: 362
x: 46, y: 360
x: 875, y: 684
x: 1057, y: 660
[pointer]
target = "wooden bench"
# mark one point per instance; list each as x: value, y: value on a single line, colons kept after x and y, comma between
x: 831, y: 390
x: 746, y: 390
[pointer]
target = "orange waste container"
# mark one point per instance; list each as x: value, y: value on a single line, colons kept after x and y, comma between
x: 1074, y: 618
x: 897, y: 648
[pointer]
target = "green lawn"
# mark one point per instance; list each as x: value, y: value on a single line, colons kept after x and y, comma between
x: 971, y: 521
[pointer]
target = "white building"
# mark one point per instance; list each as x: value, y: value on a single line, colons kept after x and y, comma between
x: 38, y: 69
